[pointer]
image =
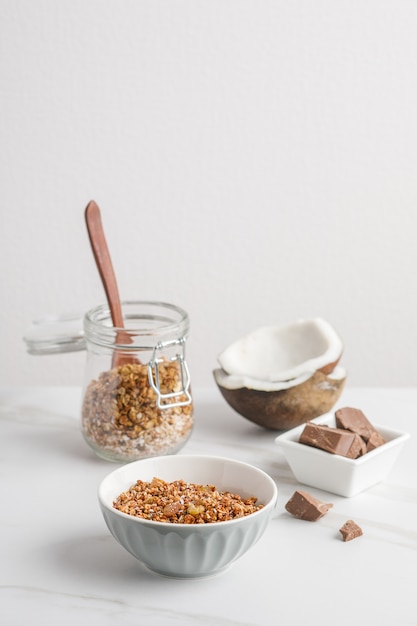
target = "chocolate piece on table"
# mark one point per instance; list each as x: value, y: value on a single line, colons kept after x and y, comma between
x: 355, y: 421
x: 334, y: 440
x: 350, y: 530
x: 306, y: 507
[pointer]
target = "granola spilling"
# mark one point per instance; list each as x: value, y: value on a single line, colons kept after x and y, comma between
x: 180, y: 502
x: 121, y: 419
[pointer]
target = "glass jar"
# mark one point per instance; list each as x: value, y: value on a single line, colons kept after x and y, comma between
x: 136, y: 397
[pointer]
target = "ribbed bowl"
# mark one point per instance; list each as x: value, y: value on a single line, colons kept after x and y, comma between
x: 189, y: 550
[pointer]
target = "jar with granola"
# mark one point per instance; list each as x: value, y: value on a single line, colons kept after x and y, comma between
x: 136, y: 400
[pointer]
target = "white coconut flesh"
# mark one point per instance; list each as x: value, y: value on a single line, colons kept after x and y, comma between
x: 282, y: 354
x: 230, y: 381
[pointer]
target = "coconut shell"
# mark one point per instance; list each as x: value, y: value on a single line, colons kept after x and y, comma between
x: 286, y: 408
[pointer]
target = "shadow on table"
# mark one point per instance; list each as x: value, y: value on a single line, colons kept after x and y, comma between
x: 97, y: 558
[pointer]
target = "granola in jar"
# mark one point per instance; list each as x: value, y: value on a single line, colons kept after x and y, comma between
x: 121, y: 419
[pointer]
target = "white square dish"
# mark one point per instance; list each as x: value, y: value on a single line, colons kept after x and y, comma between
x: 335, y: 473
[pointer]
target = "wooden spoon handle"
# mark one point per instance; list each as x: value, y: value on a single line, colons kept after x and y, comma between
x: 103, y: 261
x: 108, y: 278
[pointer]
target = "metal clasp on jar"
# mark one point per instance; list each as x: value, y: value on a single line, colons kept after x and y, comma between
x: 164, y: 400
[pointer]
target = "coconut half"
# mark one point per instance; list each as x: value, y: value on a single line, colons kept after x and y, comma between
x: 280, y: 377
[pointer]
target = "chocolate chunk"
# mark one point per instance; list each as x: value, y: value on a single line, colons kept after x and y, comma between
x: 374, y: 441
x: 355, y: 421
x: 305, y: 506
x: 334, y: 440
x: 350, y: 530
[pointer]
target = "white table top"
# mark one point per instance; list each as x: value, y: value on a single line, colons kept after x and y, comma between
x: 60, y: 565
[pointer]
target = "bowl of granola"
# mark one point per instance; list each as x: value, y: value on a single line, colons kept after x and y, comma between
x: 187, y: 516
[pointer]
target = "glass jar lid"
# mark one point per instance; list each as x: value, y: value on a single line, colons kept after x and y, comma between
x: 56, y: 334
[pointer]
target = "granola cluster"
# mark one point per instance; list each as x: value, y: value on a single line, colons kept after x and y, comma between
x: 121, y: 419
x: 180, y: 502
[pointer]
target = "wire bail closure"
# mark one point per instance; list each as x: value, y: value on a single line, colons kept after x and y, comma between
x: 164, y: 399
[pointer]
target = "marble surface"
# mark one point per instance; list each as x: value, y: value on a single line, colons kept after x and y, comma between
x: 60, y: 565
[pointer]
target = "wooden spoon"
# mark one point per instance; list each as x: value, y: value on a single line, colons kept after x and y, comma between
x: 108, y: 278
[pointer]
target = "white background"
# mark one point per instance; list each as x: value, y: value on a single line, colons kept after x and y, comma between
x: 255, y: 163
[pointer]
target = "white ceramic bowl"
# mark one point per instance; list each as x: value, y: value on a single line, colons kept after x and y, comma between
x: 335, y: 473
x: 189, y: 550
